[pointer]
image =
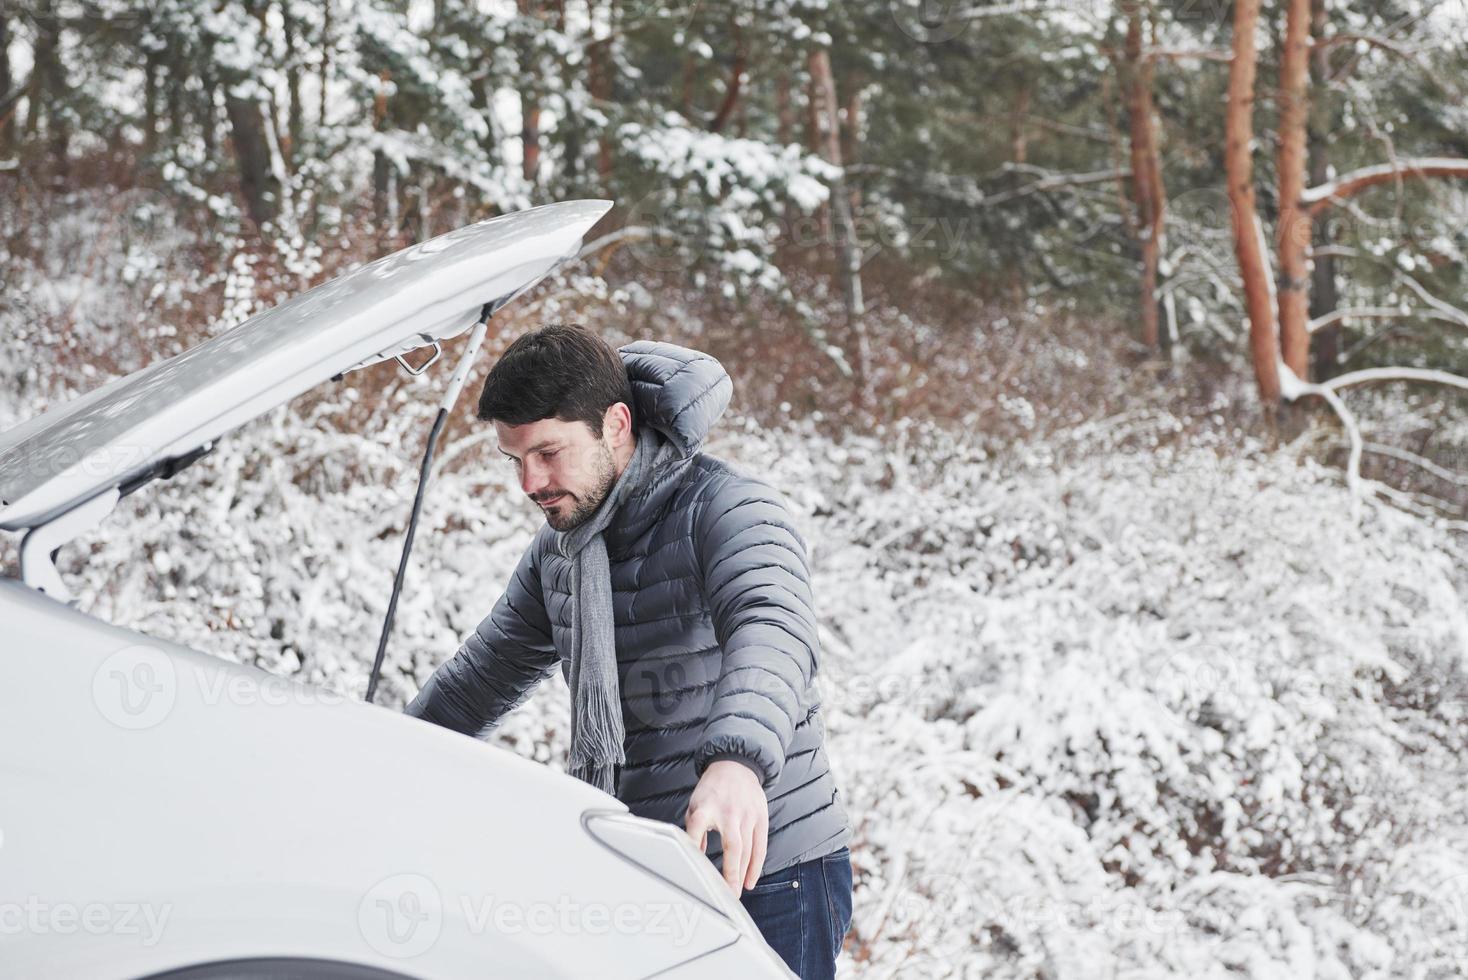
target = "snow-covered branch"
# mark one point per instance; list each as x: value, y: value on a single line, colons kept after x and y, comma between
x: 631, y: 233
x: 1052, y: 182
x: 1293, y: 388
x: 1381, y: 313
x: 1427, y: 465
x: 1442, y: 310
x: 1369, y: 375
x: 1356, y: 313
x: 1385, y: 44
x: 1317, y: 198
x: 1000, y: 10
x: 1190, y: 54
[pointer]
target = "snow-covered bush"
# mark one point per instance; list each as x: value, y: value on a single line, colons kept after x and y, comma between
x: 1127, y: 695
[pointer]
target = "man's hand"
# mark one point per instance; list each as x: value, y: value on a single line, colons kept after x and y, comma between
x: 730, y: 799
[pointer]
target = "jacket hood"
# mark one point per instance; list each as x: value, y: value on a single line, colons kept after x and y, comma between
x: 679, y: 392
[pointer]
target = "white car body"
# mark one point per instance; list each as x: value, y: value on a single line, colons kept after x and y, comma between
x: 163, y: 811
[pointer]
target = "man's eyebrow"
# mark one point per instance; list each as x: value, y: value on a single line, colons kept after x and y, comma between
x: 544, y: 443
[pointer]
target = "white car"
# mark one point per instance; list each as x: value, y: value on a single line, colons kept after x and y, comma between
x: 168, y: 813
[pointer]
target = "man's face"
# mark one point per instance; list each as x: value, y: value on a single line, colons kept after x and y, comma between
x: 566, y: 470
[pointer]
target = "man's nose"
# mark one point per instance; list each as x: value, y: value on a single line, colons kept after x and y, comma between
x: 532, y: 478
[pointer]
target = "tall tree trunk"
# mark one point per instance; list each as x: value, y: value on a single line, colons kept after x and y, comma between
x: 851, y: 139
x: 812, y: 118
x: 425, y: 208
x: 150, y: 103
x: 1014, y: 275
x: 685, y: 98
x: 208, y: 113
x: 49, y: 90
x: 1249, y: 243
x: 1324, y: 297
x: 529, y: 106
x: 1294, y: 222
x: 326, y: 41
x: 1018, y: 132
x: 735, y: 83
x: 35, y: 94
x: 480, y: 98
x: 784, y: 113
x: 601, y: 67
x: 258, y: 183
x: 814, y: 144
x: 175, y: 76
x: 1146, y: 168
x: 295, y: 122
x: 7, y: 106
x: 381, y: 206
x: 848, y: 259
x: 530, y: 135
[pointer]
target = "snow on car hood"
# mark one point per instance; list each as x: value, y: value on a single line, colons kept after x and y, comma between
x: 132, y: 426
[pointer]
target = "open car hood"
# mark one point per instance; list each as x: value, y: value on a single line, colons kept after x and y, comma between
x: 147, y: 423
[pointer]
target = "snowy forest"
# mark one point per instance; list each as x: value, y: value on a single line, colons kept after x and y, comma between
x: 1112, y: 354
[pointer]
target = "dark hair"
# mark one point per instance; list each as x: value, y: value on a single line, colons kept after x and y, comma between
x: 561, y: 371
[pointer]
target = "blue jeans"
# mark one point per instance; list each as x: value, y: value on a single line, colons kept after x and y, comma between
x: 804, y: 912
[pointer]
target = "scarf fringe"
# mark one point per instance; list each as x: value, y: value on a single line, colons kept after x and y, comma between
x: 598, y: 734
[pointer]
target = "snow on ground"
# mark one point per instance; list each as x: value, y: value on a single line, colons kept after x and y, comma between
x: 1118, y: 702
x: 1109, y: 704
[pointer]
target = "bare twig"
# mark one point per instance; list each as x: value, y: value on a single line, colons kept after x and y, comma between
x: 1443, y: 309
x: 1385, y: 44
x: 1422, y: 462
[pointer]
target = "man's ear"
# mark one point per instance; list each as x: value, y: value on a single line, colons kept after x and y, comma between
x: 617, y: 424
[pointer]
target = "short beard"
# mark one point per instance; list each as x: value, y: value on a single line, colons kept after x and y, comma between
x: 606, y: 476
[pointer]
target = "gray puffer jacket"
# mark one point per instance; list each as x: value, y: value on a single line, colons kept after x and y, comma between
x: 716, y: 633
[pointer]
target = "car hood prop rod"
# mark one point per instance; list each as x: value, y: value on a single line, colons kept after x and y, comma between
x: 450, y: 395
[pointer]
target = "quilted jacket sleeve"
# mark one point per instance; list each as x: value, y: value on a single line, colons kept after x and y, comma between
x: 757, y: 581
x: 498, y: 665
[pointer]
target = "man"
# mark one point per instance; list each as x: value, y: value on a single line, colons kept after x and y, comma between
x: 674, y: 593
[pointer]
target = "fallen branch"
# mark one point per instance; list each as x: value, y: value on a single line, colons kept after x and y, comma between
x: 1293, y: 388
x: 1408, y: 502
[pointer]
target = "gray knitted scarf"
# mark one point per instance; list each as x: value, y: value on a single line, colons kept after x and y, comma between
x: 597, y: 734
